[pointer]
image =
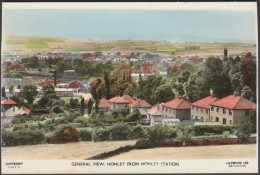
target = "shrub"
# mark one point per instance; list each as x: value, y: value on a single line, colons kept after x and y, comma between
x: 66, y: 135
x: 244, y: 129
x: 57, y: 109
x: 217, y: 129
x: 100, y: 134
x: 138, y: 132
x: 133, y: 117
x: 86, y: 134
x: 23, y: 137
x: 184, y: 132
x: 119, y: 131
x: 226, y: 133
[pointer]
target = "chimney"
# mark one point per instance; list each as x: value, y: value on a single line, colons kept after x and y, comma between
x: 212, y: 94
x: 225, y: 52
x: 235, y: 94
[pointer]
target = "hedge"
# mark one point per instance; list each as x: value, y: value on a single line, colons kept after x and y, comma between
x: 23, y: 137
x: 217, y: 129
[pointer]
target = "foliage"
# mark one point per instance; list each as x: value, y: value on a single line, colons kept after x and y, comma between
x: 244, y: 128
x: 90, y: 104
x: 67, y: 135
x: 57, y: 109
x: 3, y: 92
x: 74, y: 103
x: 133, y: 117
x: 29, y: 93
x: 200, y: 130
x: 82, y: 106
x: 22, y: 137
x: 184, y: 132
x: 252, y: 119
x: 119, y: 82
x: 85, y: 134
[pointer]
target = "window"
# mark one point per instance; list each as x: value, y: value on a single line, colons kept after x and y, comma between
x: 217, y: 109
x: 186, y: 111
x: 224, y: 121
x: 230, y: 122
x: 207, y: 111
x: 212, y: 108
x: 126, y: 106
x: 247, y: 112
x: 166, y: 109
x: 170, y: 111
x: 217, y: 119
x: 201, y: 110
x: 197, y: 108
x: 192, y: 107
x: 196, y: 117
x: 201, y: 118
x: 224, y: 111
x: 230, y: 112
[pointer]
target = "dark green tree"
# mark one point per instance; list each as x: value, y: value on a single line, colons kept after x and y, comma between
x: 82, y: 106
x: 162, y: 94
x: 29, y: 93
x: 96, y: 107
x: 11, y: 89
x: 3, y: 92
x: 90, y: 103
x: 107, y: 85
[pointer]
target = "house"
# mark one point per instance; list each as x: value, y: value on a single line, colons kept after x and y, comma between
x: 157, y: 116
x: 74, y: 85
x: 179, y: 107
x: 8, y: 103
x: 140, y: 104
x: 47, y: 83
x: 123, y: 102
x: 231, y: 109
x: 126, y: 56
x: 201, y: 108
x: 104, y: 104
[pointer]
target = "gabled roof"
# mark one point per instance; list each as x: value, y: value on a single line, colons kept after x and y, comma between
x: 104, y: 103
x: 178, y: 103
x: 234, y: 102
x: 140, y: 104
x: 9, y: 102
x: 205, y: 102
x: 46, y: 83
x: 26, y: 109
x: 74, y: 85
x: 156, y: 110
x: 123, y: 99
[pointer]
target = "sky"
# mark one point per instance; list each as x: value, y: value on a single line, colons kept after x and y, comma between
x: 136, y: 24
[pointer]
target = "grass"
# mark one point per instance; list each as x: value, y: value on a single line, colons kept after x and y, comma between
x: 36, y: 42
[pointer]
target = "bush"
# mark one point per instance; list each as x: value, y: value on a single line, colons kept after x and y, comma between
x: 119, y: 131
x: 138, y: 132
x: 66, y: 135
x: 184, y: 132
x: 100, y: 134
x: 57, y: 109
x: 155, y: 135
x: 244, y: 129
x: 134, y: 117
x: 23, y: 137
x: 86, y: 134
x: 217, y: 129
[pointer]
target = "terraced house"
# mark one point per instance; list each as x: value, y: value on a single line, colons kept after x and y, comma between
x: 201, y: 108
x: 230, y: 110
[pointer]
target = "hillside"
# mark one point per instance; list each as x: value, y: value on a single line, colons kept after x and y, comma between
x: 32, y: 45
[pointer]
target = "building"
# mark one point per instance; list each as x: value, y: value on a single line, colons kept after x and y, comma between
x: 230, y: 110
x: 70, y: 74
x: 104, y: 104
x: 201, y: 108
x: 147, y: 68
x: 179, y: 107
x: 47, y: 83
x: 123, y: 102
x: 140, y: 104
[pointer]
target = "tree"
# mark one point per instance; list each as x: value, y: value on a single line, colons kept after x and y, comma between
x: 3, y: 92
x: 82, y: 106
x: 244, y: 128
x: 162, y: 94
x: 29, y: 93
x: 252, y: 119
x: 107, y: 85
x: 11, y: 89
x: 90, y: 103
x: 74, y: 103
x: 96, y: 107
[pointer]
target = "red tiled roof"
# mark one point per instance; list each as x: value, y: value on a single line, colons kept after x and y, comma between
x: 123, y: 99
x: 196, y: 59
x: 140, y: 104
x: 26, y: 109
x: 178, y: 103
x: 9, y: 102
x: 175, y: 68
x: 234, y: 102
x: 88, y: 55
x: 74, y: 85
x: 156, y: 110
x: 205, y: 102
x: 46, y: 83
x: 126, y: 56
x: 104, y: 103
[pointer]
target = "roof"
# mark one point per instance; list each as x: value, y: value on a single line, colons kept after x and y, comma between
x: 178, y: 103
x: 9, y: 102
x: 74, y: 85
x: 46, y: 83
x: 205, y: 102
x: 156, y: 110
x: 26, y: 109
x: 104, y: 103
x: 140, y: 104
x: 234, y: 102
x: 123, y: 99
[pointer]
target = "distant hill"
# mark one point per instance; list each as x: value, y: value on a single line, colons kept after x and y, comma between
x: 32, y: 45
